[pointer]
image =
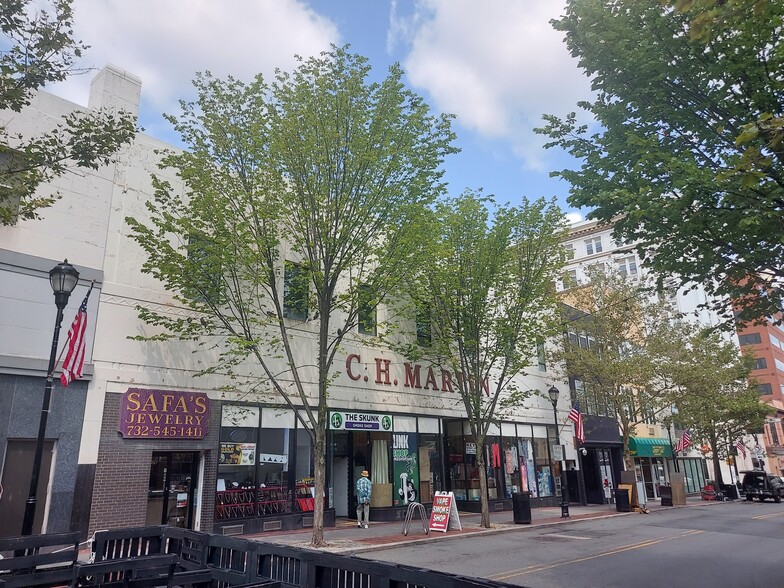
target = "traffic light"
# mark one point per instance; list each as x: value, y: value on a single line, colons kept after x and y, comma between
x: 730, y: 460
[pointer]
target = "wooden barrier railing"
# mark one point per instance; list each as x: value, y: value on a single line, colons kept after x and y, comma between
x: 143, y: 557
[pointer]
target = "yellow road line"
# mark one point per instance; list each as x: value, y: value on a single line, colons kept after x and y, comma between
x: 769, y: 515
x: 542, y: 567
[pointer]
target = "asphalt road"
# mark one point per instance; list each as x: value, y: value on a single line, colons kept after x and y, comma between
x: 734, y: 544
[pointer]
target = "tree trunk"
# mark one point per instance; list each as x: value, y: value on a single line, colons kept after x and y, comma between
x: 319, y: 481
x: 480, y: 463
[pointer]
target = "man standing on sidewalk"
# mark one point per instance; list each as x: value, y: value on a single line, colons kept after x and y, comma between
x: 364, y: 490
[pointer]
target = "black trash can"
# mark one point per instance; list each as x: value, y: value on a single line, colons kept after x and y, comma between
x: 622, y: 500
x: 521, y: 507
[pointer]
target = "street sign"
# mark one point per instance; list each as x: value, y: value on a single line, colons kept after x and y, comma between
x: 558, y: 452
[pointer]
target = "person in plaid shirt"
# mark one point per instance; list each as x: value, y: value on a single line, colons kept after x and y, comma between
x: 364, y: 490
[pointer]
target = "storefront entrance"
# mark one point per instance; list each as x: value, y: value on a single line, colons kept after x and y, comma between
x: 172, y: 491
x: 17, y: 471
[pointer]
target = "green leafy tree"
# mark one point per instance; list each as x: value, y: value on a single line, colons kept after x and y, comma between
x: 688, y: 160
x: 315, y: 186
x: 715, y: 399
x: 617, y: 346
x: 41, y: 49
x: 486, y: 291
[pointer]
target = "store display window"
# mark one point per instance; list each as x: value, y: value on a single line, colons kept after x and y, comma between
x: 429, y: 467
x: 236, y: 480
x: 372, y: 452
x: 274, y: 494
x: 511, y: 467
x: 304, y: 491
x: 265, y: 464
x: 544, y: 471
x: 494, y: 464
x: 528, y: 474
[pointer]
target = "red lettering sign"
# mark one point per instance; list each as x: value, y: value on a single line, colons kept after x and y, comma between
x: 439, y: 517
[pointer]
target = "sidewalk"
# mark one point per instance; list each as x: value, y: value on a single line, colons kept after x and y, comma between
x: 345, y: 537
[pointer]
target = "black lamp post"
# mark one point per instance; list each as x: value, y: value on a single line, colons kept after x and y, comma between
x: 553, y: 392
x: 63, y: 279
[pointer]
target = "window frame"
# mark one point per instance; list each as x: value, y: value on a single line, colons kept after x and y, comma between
x: 295, y: 295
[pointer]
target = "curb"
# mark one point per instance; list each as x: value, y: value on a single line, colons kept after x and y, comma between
x: 507, y: 528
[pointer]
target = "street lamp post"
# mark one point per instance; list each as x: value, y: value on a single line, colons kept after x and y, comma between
x: 553, y: 392
x: 63, y: 279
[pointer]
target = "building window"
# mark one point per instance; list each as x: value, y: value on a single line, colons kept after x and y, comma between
x: 9, y: 194
x: 774, y: 434
x: 424, y: 331
x: 779, y: 365
x: 366, y: 317
x: 570, y: 278
x: 750, y: 339
x: 540, y: 355
x: 295, y: 292
x: 568, y: 250
x: 760, y: 363
x: 204, y: 285
x: 628, y: 266
x: 593, y: 245
x: 764, y: 389
x: 775, y: 342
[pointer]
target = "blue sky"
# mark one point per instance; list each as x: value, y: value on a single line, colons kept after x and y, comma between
x: 496, y: 64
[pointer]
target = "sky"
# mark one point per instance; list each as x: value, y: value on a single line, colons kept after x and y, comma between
x: 497, y: 65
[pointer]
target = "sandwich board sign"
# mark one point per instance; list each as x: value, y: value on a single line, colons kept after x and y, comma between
x: 444, y: 514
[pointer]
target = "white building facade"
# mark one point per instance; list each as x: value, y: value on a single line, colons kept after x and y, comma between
x: 141, y: 440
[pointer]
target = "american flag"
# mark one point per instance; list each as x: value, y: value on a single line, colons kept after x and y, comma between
x: 577, y: 419
x: 74, y: 358
x: 684, y: 442
x: 741, y: 447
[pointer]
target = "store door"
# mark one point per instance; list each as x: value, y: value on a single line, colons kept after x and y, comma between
x: 17, y: 471
x: 172, y: 490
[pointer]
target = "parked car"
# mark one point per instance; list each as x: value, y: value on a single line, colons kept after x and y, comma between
x: 762, y: 485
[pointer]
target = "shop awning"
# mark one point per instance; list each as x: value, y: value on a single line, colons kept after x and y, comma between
x: 650, y: 447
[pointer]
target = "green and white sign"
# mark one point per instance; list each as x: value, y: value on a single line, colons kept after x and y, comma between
x: 360, y: 421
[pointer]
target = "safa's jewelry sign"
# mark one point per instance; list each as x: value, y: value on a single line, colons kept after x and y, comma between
x: 164, y: 414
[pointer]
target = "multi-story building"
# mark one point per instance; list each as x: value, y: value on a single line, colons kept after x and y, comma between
x: 766, y: 343
x: 589, y: 243
x: 141, y: 440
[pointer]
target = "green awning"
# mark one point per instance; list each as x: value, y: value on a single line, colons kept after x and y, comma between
x: 650, y: 447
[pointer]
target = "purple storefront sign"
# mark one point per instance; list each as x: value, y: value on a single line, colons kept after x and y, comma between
x: 164, y: 414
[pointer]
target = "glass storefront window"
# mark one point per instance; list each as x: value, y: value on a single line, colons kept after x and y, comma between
x: 494, y: 466
x: 304, y: 492
x: 511, y: 461
x: 405, y: 464
x: 429, y: 467
x: 544, y: 472
x: 236, y: 479
x: 528, y: 477
x: 455, y: 450
x: 372, y: 453
x: 274, y: 496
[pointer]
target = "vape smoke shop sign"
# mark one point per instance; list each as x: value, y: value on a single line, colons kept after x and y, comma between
x: 163, y: 414
x: 359, y: 421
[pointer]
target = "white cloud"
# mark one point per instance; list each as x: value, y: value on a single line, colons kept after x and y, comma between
x: 574, y: 217
x: 497, y: 64
x: 165, y: 42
